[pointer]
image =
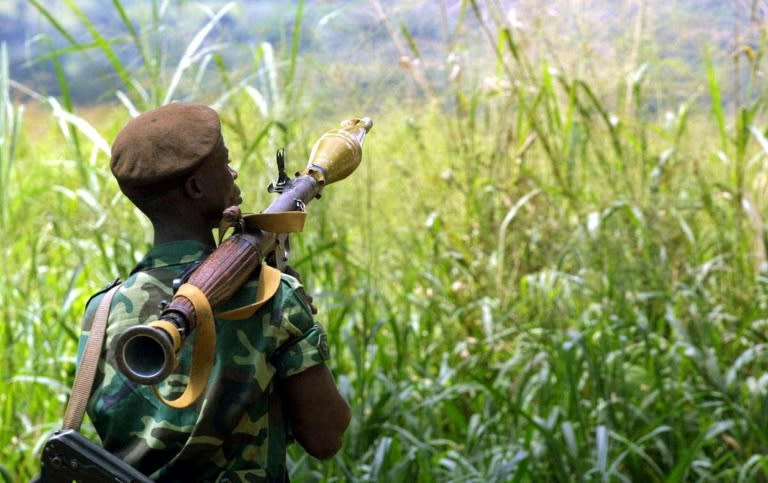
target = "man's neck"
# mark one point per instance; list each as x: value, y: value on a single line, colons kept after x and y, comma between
x: 175, y: 231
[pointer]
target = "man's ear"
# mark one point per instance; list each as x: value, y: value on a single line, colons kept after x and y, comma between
x: 192, y: 188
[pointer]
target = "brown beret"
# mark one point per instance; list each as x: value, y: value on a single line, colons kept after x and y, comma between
x: 164, y: 143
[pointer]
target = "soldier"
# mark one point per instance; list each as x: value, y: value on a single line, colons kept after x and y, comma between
x: 269, y: 383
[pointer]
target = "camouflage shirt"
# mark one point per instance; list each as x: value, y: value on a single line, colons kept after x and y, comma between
x: 237, y: 430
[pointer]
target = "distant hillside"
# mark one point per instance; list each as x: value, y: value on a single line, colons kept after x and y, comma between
x: 604, y: 39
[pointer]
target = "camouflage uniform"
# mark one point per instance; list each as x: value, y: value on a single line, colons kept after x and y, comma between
x: 237, y: 431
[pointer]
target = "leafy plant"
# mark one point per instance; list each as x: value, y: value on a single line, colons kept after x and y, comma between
x: 537, y: 274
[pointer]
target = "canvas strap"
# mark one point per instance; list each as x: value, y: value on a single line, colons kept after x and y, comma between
x: 202, y: 352
x: 274, y: 222
x: 81, y: 388
x: 205, y: 333
x: 277, y: 222
x: 269, y: 282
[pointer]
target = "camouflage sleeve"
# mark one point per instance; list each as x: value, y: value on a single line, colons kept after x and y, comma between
x: 308, y: 345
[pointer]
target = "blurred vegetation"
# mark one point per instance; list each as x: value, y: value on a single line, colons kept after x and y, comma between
x: 550, y: 267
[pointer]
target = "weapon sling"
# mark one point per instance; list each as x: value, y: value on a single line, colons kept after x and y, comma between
x: 68, y: 455
x: 81, y: 388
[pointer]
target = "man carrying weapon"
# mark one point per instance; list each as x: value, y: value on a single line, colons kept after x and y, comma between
x: 266, y: 382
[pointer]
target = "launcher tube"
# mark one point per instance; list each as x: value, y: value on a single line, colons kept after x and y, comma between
x: 148, y: 354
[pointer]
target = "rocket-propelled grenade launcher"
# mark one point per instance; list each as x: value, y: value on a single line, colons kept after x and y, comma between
x: 147, y: 353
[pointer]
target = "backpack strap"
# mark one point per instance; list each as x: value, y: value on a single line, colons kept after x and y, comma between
x: 86, y: 373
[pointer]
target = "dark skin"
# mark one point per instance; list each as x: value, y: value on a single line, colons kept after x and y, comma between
x: 319, y: 414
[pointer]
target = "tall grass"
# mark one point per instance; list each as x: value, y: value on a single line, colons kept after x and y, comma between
x: 527, y: 280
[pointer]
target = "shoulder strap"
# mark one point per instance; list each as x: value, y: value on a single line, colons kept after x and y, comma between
x: 81, y: 388
x: 269, y: 282
x: 203, y: 352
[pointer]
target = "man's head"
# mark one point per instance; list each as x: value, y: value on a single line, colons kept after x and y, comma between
x: 175, y: 150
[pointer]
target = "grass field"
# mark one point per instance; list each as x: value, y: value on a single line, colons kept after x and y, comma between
x: 535, y: 275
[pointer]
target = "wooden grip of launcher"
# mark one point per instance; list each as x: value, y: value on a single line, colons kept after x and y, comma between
x: 222, y: 273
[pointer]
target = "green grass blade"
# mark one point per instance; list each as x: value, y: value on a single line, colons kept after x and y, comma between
x: 716, y: 103
x: 102, y: 44
x: 54, y: 22
x: 192, y: 51
x: 290, y: 76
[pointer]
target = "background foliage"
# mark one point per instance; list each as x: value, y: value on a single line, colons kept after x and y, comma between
x: 550, y: 267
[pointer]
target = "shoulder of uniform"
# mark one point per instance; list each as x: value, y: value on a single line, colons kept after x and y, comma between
x: 290, y: 280
x: 103, y: 290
